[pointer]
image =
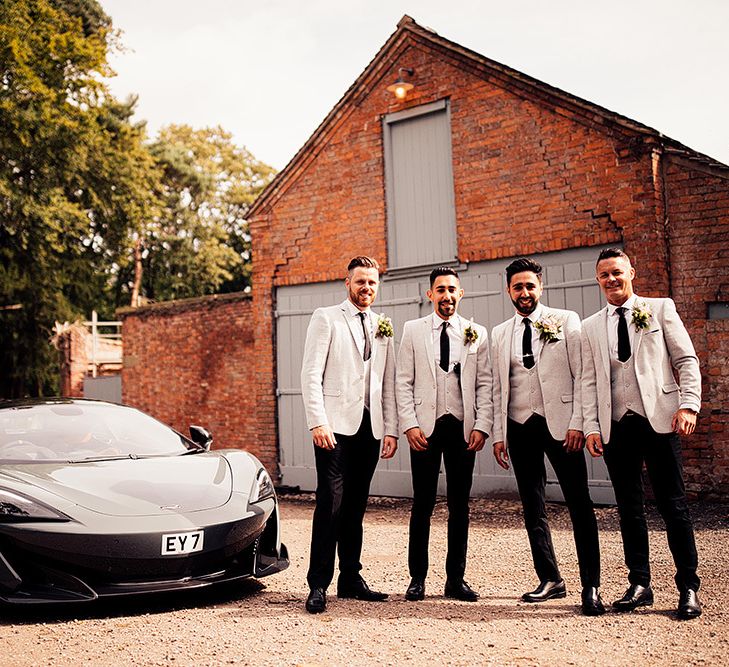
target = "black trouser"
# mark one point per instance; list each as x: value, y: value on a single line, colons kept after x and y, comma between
x: 343, y: 486
x: 447, y: 442
x: 632, y: 443
x: 528, y: 444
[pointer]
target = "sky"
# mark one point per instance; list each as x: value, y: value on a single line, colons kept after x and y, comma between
x: 269, y: 71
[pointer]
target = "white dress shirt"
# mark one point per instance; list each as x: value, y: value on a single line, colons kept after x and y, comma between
x: 455, y: 338
x: 612, y: 325
x: 517, y: 339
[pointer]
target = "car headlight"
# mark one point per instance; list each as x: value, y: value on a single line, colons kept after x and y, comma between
x: 262, y: 487
x: 17, y: 507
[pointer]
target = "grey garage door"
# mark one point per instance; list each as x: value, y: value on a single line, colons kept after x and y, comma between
x: 569, y: 283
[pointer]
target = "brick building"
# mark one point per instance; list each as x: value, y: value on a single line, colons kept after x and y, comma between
x: 477, y: 164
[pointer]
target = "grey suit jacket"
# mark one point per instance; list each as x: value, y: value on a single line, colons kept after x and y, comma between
x: 659, y: 349
x: 416, y: 385
x: 333, y: 376
x: 559, y: 369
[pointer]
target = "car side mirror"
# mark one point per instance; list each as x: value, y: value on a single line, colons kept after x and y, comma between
x: 201, y: 436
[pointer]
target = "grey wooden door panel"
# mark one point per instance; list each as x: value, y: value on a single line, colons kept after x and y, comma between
x: 570, y: 283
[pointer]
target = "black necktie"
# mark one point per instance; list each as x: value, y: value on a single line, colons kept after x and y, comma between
x: 445, y: 348
x: 368, y: 345
x: 623, y: 338
x: 526, y: 344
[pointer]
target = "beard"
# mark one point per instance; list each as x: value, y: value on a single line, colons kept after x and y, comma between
x: 446, y: 309
x: 525, y: 306
x: 362, y: 298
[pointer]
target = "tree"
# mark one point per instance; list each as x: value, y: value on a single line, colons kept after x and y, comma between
x: 199, y: 243
x: 75, y: 177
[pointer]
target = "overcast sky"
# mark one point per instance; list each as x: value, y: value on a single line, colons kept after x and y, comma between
x: 269, y: 71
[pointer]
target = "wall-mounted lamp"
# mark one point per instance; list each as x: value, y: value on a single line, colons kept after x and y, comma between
x: 401, y: 87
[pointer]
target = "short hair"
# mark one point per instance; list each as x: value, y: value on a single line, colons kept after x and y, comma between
x: 523, y: 264
x: 362, y: 261
x: 443, y: 271
x: 609, y: 253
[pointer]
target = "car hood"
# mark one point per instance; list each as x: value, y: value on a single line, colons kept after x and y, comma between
x: 133, y: 487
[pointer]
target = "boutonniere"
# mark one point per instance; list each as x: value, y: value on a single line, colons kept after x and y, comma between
x: 549, y: 328
x: 641, y: 315
x: 384, y: 327
x: 470, y: 335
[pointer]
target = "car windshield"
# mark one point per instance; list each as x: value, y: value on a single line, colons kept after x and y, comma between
x: 82, y: 432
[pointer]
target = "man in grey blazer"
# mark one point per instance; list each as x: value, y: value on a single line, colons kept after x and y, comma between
x: 634, y: 410
x: 537, y: 412
x: 348, y: 387
x: 443, y: 385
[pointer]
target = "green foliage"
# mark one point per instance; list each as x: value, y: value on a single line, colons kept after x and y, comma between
x: 200, y: 244
x: 80, y: 188
x: 74, y: 177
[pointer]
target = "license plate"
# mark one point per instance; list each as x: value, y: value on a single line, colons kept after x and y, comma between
x: 182, y: 543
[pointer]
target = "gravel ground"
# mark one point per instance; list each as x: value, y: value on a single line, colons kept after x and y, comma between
x: 264, y: 623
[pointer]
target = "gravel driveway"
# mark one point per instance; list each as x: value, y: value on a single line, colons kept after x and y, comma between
x: 265, y: 623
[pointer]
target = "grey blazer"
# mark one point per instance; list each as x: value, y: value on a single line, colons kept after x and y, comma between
x: 559, y: 369
x: 658, y: 349
x: 416, y: 385
x: 333, y: 377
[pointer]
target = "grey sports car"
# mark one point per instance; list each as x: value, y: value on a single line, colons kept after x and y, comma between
x: 98, y: 500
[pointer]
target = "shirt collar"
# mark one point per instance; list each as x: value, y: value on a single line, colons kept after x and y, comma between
x: 437, y: 322
x: 628, y: 305
x: 354, y: 311
x: 534, y: 316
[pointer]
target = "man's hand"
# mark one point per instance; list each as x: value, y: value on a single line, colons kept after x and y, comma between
x: 501, y: 455
x: 389, y: 447
x: 684, y: 421
x: 574, y: 441
x: 416, y: 439
x: 476, y: 441
x: 593, y: 442
x: 323, y: 437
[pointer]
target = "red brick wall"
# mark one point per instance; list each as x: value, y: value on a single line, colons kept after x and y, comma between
x: 192, y: 362
x: 698, y: 211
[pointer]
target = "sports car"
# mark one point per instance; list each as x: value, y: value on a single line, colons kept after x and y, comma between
x: 100, y: 500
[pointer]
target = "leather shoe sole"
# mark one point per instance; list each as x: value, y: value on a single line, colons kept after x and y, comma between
x: 635, y: 596
x: 365, y: 595
x: 548, y: 590
x: 461, y: 591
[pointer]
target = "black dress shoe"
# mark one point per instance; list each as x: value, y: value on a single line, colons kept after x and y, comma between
x: 688, y: 605
x: 359, y: 590
x: 635, y: 596
x: 591, y: 602
x: 416, y: 590
x: 460, y: 590
x: 316, y: 603
x: 547, y: 590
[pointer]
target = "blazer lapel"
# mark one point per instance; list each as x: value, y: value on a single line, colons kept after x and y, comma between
x: 603, y: 338
x: 352, y: 323
x: 428, y: 340
x: 465, y: 347
x: 506, y: 343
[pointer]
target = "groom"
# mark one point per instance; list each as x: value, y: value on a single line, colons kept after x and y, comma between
x: 444, y: 404
x: 641, y: 388
x: 348, y: 387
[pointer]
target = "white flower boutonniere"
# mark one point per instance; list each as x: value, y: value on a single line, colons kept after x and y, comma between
x: 470, y: 335
x: 384, y: 327
x: 549, y: 328
x: 641, y: 315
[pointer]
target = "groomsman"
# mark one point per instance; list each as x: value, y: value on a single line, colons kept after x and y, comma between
x: 633, y: 352
x: 348, y: 386
x: 444, y: 403
x: 538, y: 412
